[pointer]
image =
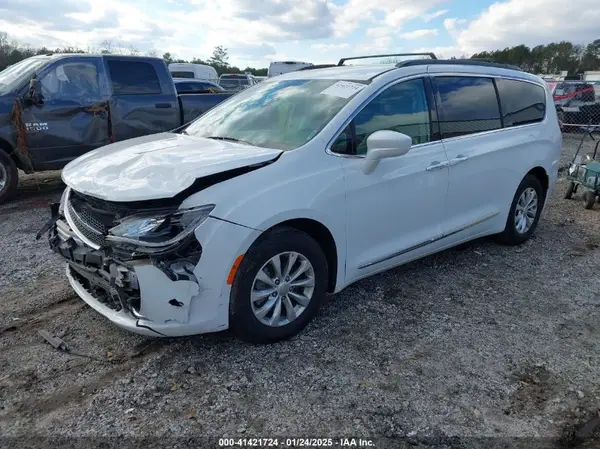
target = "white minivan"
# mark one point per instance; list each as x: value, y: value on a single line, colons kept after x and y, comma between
x: 301, y: 185
x: 196, y: 71
x: 277, y: 68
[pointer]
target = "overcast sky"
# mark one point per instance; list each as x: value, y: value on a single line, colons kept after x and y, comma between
x: 258, y: 31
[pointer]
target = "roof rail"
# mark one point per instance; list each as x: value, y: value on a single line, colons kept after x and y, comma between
x: 431, y: 55
x: 317, y: 66
x: 477, y: 62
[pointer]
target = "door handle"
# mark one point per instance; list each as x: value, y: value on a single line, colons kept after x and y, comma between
x: 458, y: 159
x: 437, y: 165
x: 163, y: 105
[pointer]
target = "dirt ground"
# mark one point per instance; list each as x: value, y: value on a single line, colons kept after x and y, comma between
x: 478, y: 346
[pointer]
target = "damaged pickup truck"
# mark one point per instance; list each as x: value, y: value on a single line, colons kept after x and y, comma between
x: 54, y: 108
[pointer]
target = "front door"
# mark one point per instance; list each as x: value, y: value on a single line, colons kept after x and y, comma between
x: 393, y: 212
x: 143, y: 98
x: 72, y: 119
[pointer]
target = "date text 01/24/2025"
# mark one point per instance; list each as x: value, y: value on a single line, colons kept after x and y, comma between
x: 295, y: 442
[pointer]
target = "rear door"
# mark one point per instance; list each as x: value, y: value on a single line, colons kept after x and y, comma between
x: 471, y: 128
x: 143, y: 99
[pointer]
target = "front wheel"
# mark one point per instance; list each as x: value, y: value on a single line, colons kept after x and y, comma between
x: 524, y: 211
x: 570, y: 190
x: 278, y: 287
x: 9, y: 177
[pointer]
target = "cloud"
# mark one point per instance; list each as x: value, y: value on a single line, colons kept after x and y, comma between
x: 419, y: 34
x: 354, y: 13
x: 329, y: 47
x: 434, y: 15
x: 530, y: 22
x: 259, y: 31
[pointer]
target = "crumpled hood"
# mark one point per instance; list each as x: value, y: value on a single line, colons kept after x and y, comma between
x: 157, y: 166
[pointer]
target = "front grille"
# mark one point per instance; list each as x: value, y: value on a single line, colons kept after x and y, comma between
x: 92, y: 217
x: 86, y: 224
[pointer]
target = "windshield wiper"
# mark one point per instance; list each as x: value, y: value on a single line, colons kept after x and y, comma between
x: 230, y: 139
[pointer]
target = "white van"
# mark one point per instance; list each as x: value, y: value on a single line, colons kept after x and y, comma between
x: 283, y: 67
x: 197, y: 71
x: 297, y: 187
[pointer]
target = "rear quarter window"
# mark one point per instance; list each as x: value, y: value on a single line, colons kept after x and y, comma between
x: 521, y: 102
x: 133, y: 78
x: 468, y: 105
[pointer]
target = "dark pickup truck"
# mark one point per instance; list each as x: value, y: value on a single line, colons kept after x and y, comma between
x: 54, y: 108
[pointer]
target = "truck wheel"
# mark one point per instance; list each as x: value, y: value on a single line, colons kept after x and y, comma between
x: 278, y: 287
x: 569, y: 192
x: 589, y: 198
x: 9, y: 176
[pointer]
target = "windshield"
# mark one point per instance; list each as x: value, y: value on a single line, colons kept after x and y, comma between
x: 283, y: 115
x: 18, y: 74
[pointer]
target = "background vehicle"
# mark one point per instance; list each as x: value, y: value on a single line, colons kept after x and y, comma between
x: 576, y: 103
x: 196, y: 71
x: 69, y: 104
x: 282, y: 67
x: 236, y: 81
x: 193, y: 86
x: 303, y: 185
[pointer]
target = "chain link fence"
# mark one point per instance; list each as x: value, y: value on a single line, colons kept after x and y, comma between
x: 577, y: 104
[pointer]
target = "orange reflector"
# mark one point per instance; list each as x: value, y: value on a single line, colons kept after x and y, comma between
x: 234, y: 268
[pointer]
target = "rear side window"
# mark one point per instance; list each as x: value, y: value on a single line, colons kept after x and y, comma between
x: 182, y: 74
x: 521, y: 102
x: 468, y: 105
x: 133, y: 78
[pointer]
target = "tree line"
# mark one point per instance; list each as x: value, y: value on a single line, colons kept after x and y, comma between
x: 548, y: 59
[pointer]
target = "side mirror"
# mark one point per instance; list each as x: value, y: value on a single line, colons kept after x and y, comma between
x: 384, y: 144
x: 34, y: 93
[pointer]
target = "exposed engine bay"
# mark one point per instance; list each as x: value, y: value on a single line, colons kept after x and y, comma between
x: 110, y: 271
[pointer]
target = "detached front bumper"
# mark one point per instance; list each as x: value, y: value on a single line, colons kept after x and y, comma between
x: 151, y: 296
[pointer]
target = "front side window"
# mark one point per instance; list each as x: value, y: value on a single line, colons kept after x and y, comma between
x: 283, y: 115
x: 133, y: 78
x: 72, y: 81
x: 522, y: 102
x: 468, y: 105
x: 402, y: 108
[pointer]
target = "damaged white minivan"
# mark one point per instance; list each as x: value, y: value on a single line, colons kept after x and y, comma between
x: 301, y: 185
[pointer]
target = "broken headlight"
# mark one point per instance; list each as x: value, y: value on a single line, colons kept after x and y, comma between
x: 63, y: 200
x: 159, y: 230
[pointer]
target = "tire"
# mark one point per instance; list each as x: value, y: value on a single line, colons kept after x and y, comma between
x: 242, y: 318
x: 9, y: 177
x: 511, y: 235
x: 589, y: 198
x: 570, y: 190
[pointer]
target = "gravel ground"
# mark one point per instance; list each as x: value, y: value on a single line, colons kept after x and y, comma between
x: 481, y: 341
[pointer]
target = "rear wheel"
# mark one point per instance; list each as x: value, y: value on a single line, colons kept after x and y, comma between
x: 278, y: 287
x: 524, y: 212
x: 589, y: 198
x: 9, y: 177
